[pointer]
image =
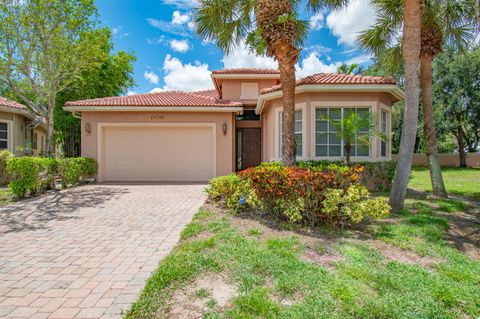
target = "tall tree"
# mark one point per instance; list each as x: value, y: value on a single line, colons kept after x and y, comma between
x: 112, y: 76
x: 456, y: 91
x: 450, y: 21
x: 45, y: 45
x: 268, y: 27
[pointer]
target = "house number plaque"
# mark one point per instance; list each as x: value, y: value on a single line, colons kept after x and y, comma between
x: 157, y: 117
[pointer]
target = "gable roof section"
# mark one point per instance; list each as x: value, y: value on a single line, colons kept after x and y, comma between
x: 332, y: 78
x: 162, y: 100
x: 11, y: 104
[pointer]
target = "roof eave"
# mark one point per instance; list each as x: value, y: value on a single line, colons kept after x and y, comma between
x: 393, y: 89
x: 80, y: 108
x: 240, y: 76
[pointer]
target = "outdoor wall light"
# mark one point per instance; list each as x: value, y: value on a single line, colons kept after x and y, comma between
x: 88, y: 128
x: 224, y: 128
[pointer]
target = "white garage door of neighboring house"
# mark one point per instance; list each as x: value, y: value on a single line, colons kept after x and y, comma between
x: 158, y: 153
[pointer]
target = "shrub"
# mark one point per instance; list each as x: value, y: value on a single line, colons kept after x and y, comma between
x: 5, y: 155
x: 31, y: 175
x: 73, y: 170
x: 375, y: 176
x: 321, y: 194
x: 351, y: 206
x: 229, y: 190
x: 25, y: 174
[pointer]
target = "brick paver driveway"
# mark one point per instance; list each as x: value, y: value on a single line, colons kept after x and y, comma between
x: 86, y: 252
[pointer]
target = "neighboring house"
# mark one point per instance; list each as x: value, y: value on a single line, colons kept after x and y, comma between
x: 19, y: 129
x: 193, y: 136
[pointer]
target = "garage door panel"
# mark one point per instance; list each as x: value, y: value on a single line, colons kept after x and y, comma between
x: 158, y: 153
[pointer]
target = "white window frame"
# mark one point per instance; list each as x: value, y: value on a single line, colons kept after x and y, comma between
x: 388, y: 133
x: 341, y: 106
x: 244, y: 87
x: 9, y: 134
x: 278, y: 133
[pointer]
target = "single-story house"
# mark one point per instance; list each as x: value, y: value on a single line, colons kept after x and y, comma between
x: 19, y: 128
x: 194, y: 136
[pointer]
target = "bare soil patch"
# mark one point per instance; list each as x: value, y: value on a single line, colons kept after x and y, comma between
x: 212, y: 291
x: 395, y: 253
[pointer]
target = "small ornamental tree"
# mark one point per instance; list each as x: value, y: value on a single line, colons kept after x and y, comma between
x: 354, y: 128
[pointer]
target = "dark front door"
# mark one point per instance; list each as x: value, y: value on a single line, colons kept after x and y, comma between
x: 249, y: 147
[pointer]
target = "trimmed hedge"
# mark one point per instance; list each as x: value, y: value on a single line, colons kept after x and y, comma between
x: 33, y: 175
x: 5, y: 155
x: 316, y: 195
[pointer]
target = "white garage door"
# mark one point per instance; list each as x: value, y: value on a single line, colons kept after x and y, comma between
x: 158, y: 153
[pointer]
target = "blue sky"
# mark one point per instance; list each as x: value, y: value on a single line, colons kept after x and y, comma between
x: 170, y: 56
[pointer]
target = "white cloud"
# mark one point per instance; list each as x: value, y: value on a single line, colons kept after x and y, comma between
x: 131, y: 92
x: 168, y: 27
x: 184, y: 76
x: 178, y: 18
x: 346, y: 23
x: 312, y: 64
x: 117, y: 31
x: 179, y: 45
x: 316, y: 21
x: 181, y: 4
x: 359, y: 59
x: 151, y: 77
x: 241, y: 57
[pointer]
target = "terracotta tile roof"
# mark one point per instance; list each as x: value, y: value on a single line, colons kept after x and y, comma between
x: 208, y: 98
x: 333, y: 78
x: 12, y: 104
x: 246, y: 71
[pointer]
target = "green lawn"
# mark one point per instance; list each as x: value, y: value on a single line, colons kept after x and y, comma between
x: 407, y: 266
x: 458, y: 181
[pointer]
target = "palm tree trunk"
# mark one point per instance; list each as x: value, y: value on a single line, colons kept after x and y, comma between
x: 287, y: 76
x: 436, y: 177
x: 348, y: 149
x: 411, y: 55
x: 461, y: 142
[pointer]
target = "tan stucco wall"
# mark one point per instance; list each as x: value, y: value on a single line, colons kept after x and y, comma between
x: 224, y: 146
x: 16, y: 128
x: 446, y: 160
x: 232, y: 89
x: 308, y: 102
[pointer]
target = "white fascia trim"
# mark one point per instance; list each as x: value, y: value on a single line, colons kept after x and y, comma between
x: 12, y: 110
x: 152, y: 108
x: 390, y: 88
x: 245, y: 76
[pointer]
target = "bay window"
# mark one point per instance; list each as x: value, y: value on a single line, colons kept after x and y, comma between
x: 327, y: 141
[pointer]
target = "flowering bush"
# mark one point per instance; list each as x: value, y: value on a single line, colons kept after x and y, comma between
x: 315, y: 195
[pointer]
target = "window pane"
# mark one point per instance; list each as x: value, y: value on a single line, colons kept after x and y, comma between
x: 384, y: 149
x: 333, y: 138
x: 363, y: 113
x: 298, y: 139
x: 322, y: 126
x: 331, y: 127
x: 335, y: 113
x: 298, y: 115
x: 321, y: 114
x: 321, y: 150
x: 299, y: 150
x: 298, y: 127
x: 3, y: 145
x: 348, y: 111
x: 3, y: 135
x: 3, y: 126
x: 363, y: 150
x: 321, y: 138
x: 334, y: 150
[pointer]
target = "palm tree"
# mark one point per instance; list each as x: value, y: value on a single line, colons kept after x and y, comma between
x: 352, y: 69
x: 268, y: 27
x: 355, y: 129
x: 442, y: 20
